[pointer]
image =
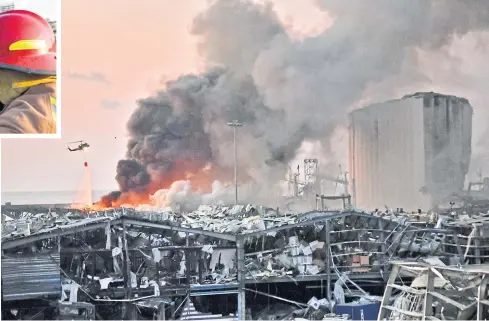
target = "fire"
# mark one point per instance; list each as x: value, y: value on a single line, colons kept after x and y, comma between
x: 200, y: 175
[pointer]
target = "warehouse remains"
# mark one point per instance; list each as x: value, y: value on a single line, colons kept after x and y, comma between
x: 259, y: 261
x: 437, y: 292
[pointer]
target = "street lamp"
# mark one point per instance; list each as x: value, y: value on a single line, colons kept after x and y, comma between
x: 235, y: 124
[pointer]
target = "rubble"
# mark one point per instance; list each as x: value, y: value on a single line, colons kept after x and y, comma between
x: 438, y: 292
x: 129, y: 256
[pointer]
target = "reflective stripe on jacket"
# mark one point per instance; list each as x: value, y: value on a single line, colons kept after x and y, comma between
x: 53, y: 106
x: 34, y: 112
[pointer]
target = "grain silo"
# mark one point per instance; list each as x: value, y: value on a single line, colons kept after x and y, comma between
x: 412, y: 152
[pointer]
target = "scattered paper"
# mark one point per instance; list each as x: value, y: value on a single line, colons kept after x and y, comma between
x: 314, y: 303
x: 116, y: 251
x: 104, y: 283
x: 156, y: 255
x: 207, y: 248
x: 74, y: 292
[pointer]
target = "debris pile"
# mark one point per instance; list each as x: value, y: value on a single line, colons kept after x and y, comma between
x: 437, y: 292
x: 276, y: 244
x: 209, y: 254
x: 29, y: 224
x: 473, y: 233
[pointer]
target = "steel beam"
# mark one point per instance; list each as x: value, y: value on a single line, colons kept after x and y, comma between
x: 329, y: 258
x: 162, y: 248
x: 384, y: 307
x: 9, y: 244
x: 374, y: 276
x: 482, y: 298
x: 241, y: 280
x: 428, y: 298
x: 315, y: 219
x: 217, y: 235
x: 317, y: 216
x: 383, y: 247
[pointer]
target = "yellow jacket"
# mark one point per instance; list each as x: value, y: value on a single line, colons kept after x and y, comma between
x: 33, y: 112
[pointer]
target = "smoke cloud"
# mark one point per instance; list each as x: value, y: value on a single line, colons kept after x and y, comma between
x: 284, y: 91
x: 181, y: 197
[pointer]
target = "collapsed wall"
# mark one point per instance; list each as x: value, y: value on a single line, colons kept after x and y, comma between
x: 412, y: 152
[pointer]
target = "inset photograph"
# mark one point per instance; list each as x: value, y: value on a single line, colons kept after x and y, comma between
x: 28, y: 69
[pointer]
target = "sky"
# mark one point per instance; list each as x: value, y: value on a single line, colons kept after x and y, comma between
x: 114, y: 52
x: 45, y: 8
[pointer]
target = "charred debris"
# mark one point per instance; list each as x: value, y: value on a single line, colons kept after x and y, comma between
x: 244, y: 262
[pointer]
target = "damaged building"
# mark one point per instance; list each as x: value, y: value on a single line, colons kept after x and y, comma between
x: 413, y: 152
x: 243, y: 262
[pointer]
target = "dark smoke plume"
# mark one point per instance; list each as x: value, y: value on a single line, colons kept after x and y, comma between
x: 285, y: 91
x: 132, y: 176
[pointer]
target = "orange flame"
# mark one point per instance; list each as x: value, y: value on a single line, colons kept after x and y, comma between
x: 201, y: 176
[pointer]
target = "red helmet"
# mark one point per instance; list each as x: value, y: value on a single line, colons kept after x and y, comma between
x: 27, y: 43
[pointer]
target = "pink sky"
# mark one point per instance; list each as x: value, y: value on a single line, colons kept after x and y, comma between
x: 113, y: 52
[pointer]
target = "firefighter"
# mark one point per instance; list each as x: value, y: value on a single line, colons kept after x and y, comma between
x: 27, y: 74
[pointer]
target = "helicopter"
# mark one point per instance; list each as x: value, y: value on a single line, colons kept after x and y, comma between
x: 82, y: 145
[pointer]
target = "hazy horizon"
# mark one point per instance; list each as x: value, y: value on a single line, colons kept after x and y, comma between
x: 46, y: 197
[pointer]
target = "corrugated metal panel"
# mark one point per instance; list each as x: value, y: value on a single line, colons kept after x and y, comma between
x: 410, y: 152
x: 387, y: 155
x: 28, y: 277
x: 448, y: 127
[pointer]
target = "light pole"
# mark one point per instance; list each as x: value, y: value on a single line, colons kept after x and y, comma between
x: 235, y: 124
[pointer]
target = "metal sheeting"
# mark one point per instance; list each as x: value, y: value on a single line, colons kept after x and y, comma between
x: 386, y: 155
x: 28, y: 277
x: 448, y: 124
x: 410, y: 152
